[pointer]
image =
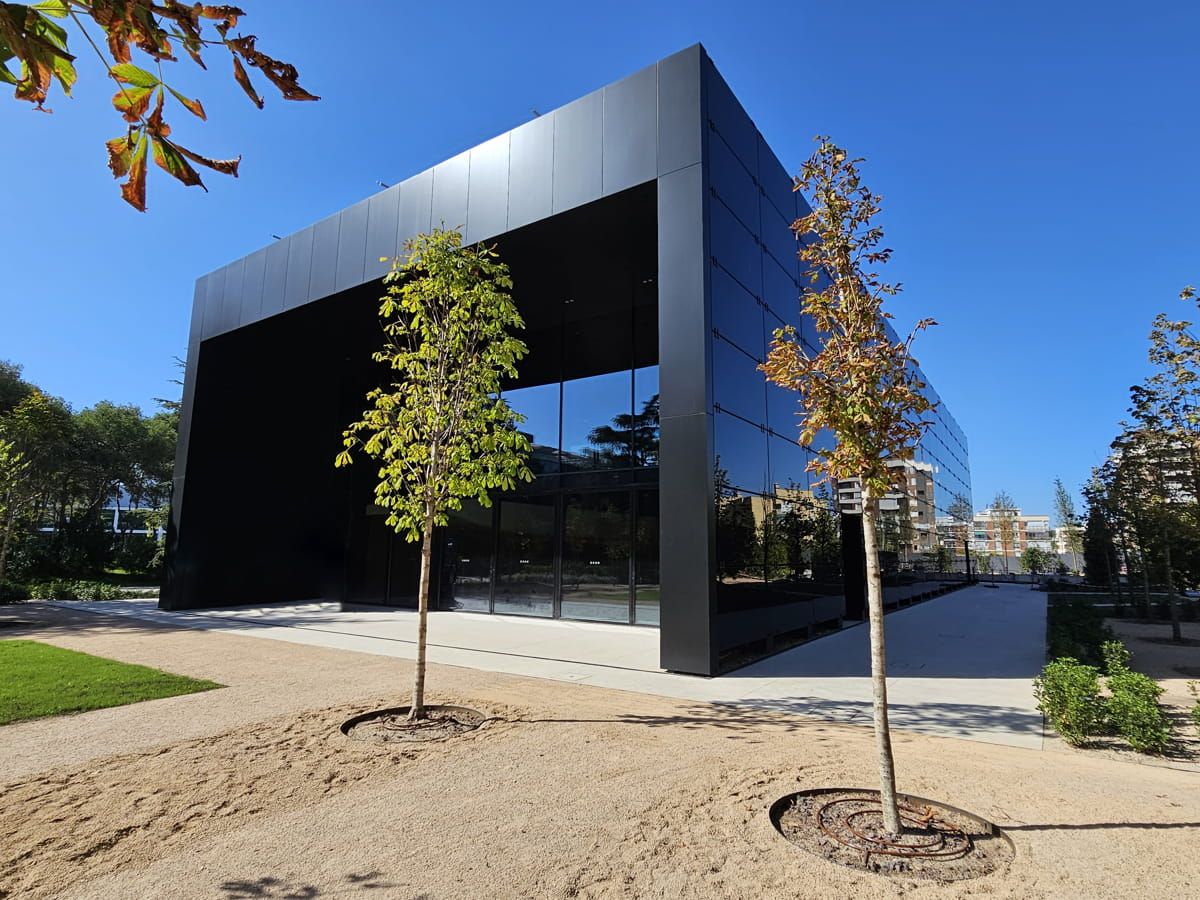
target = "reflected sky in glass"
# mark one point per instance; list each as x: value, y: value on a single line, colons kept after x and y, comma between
x: 539, y: 405
x: 595, y: 427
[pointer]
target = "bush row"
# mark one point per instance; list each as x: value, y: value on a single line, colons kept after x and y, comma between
x: 65, y: 589
x: 1069, y: 694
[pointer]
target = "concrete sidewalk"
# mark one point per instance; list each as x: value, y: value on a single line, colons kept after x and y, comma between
x: 961, y: 665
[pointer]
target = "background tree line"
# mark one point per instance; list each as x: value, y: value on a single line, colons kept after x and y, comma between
x: 1142, y: 534
x: 62, y: 472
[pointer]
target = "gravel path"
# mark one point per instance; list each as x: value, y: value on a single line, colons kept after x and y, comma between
x: 250, y: 791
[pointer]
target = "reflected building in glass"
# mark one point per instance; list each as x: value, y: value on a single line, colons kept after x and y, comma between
x: 646, y: 226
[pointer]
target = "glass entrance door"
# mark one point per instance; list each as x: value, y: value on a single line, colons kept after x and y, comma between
x: 525, y: 573
x: 595, y: 556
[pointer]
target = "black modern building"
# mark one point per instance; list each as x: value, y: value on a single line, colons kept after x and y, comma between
x: 646, y: 228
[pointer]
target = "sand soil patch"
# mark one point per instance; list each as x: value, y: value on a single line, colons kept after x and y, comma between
x: 64, y: 825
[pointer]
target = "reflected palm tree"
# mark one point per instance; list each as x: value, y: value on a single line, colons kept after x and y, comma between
x: 631, y: 439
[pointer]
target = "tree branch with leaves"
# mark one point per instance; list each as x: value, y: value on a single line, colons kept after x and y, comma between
x: 32, y: 37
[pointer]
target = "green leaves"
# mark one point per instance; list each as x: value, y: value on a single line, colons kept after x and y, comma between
x: 438, y: 429
x: 127, y: 73
x: 30, y: 37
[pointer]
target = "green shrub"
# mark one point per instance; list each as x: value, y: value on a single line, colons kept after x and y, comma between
x: 1116, y: 657
x: 1068, y: 694
x: 1194, y: 688
x: 1075, y: 628
x: 66, y: 589
x: 1134, y: 713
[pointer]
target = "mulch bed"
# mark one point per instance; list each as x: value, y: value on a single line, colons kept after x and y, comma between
x: 845, y: 826
x: 392, y: 726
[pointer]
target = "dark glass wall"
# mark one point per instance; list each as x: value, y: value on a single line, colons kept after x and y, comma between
x: 778, y: 548
x: 581, y: 541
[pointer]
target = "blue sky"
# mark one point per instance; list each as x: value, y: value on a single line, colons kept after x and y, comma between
x: 1038, y: 163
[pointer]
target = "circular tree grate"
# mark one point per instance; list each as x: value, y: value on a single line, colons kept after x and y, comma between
x: 392, y: 726
x: 845, y: 825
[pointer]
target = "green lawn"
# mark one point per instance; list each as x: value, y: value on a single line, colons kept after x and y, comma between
x: 39, y: 680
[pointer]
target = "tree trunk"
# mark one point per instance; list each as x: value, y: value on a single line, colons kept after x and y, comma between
x: 417, y: 711
x: 883, y: 735
x: 4, y: 542
x: 1172, y: 602
x: 1147, y: 609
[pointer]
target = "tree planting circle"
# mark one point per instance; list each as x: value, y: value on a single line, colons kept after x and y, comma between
x: 392, y: 726
x: 845, y: 825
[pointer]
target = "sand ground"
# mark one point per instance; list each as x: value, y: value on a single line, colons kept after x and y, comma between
x: 251, y: 791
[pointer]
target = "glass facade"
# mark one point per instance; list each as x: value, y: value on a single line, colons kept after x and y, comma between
x: 581, y: 541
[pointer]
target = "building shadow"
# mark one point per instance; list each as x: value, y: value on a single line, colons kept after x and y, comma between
x: 746, y: 718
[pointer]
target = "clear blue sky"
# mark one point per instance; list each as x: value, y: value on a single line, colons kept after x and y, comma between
x: 1038, y: 163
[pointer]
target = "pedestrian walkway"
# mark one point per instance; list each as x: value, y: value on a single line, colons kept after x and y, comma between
x: 960, y: 665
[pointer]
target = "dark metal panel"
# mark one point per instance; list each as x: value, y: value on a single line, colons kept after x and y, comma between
x: 777, y: 236
x: 578, y: 152
x: 274, y: 279
x: 734, y: 248
x: 684, y: 320
x: 252, y: 287
x: 450, y: 180
x: 487, y: 195
x: 738, y: 386
x: 324, y: 258
x: 737, y: 314
x: 775, y: 181
x: 352, y: 245
x: 687, y: 642
x: 726, y: 115
x: 631, y: 131
x: 688, y: 609
x: 732, y: 184
x: 383, y: 213
x: 213, y: 295
x: 195, y: 335
x: 780, y: 292
x: 416, y: 204
x: 680, y: 119
x: 531, y: 172
x: 231, y: 300
x: 300, y: 247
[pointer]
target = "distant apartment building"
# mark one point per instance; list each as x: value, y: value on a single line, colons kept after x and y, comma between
x: 907, y: 513
x: 1011, y: 532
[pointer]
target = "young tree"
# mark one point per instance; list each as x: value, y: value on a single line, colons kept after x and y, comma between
x: 963, y: 515
x: 1004, y: 513
x: 982, y: 562
x: 1036, y: 561
x: 31, y: 37
x: 1068, y: 521
x: 439, y: 429
x: 862, y: 384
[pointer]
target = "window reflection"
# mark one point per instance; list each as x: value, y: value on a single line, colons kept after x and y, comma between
x: 525, y: 562
x: 540, y: 407
x: 596, y: 421
x: 467, y: 578
x: 645, y: 424
x: 646, y: 563
x: 742, y: 452
x: 595, y: 556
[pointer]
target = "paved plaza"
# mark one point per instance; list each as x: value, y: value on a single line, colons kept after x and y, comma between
x: 960, y: 665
